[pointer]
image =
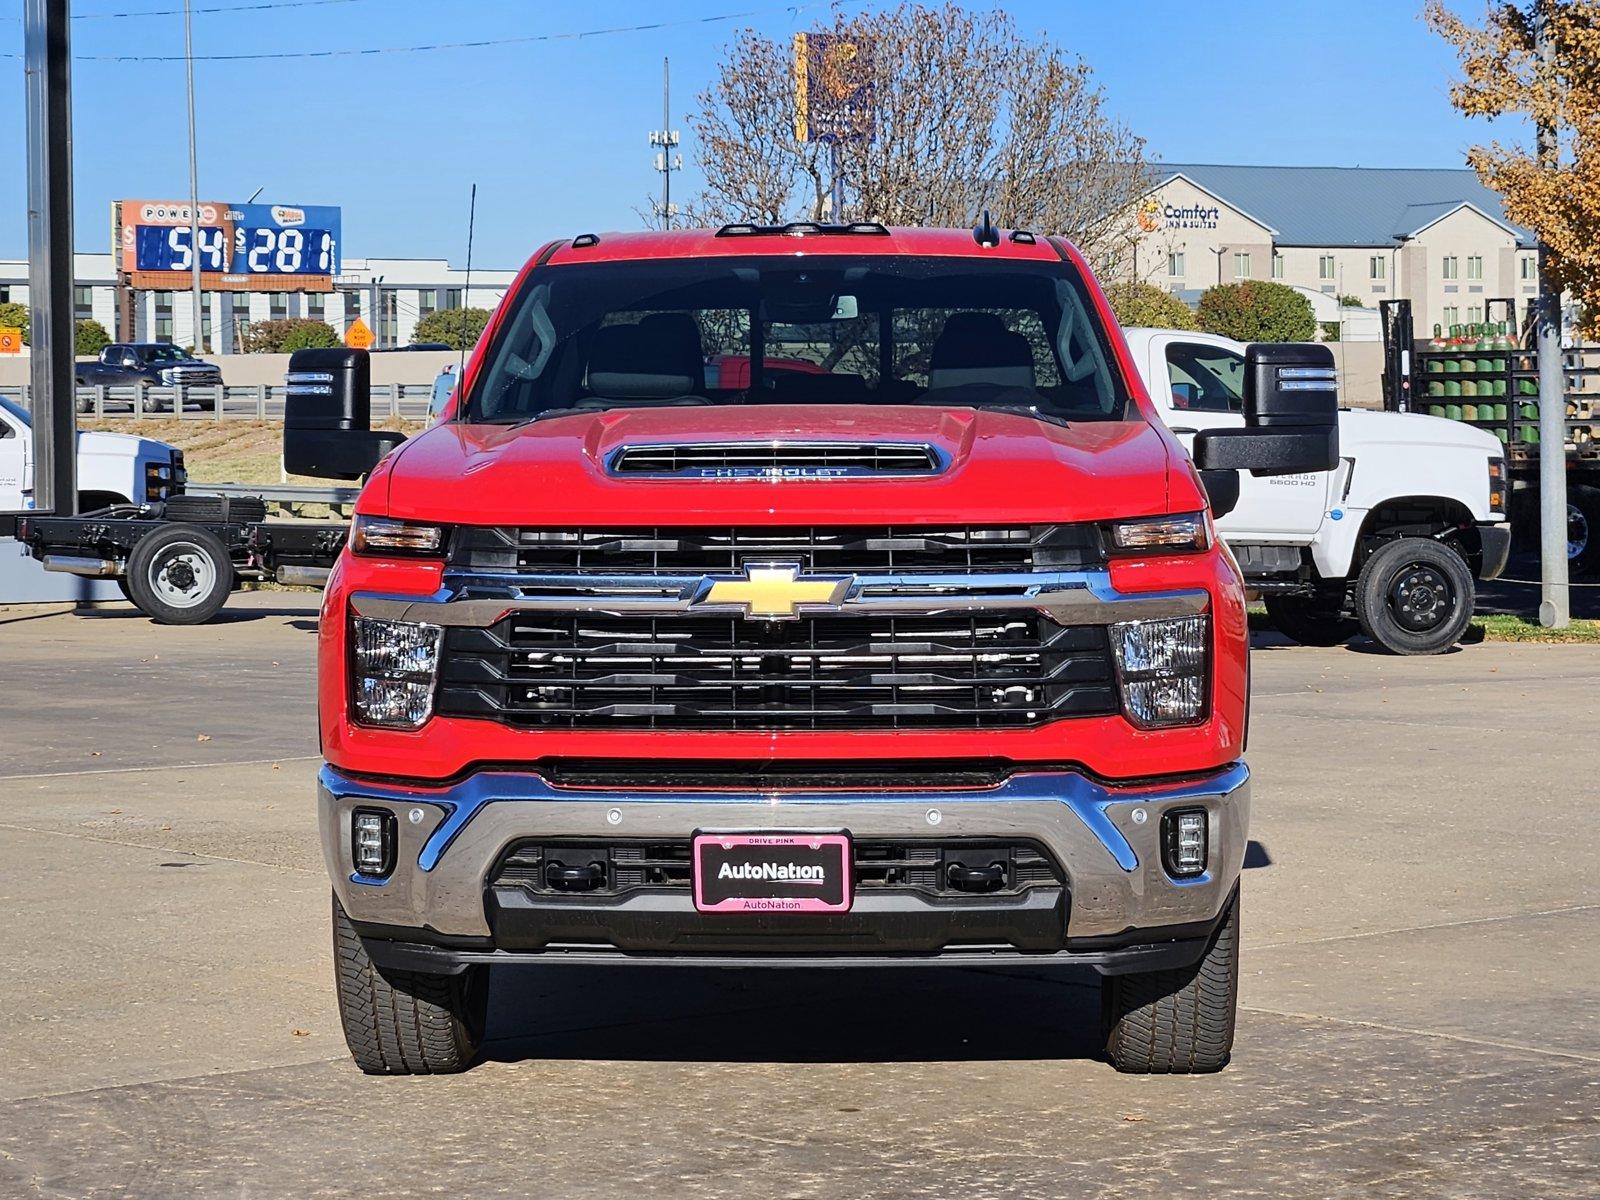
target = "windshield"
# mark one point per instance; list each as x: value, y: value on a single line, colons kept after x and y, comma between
x: 161, y: 354
x: 951, y: 332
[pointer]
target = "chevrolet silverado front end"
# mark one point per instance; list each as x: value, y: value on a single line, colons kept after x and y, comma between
x: 925, y: 653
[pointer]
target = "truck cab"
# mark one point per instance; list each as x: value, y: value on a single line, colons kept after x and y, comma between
x: 113, y: 468
x: 1390, y: 543
x: 925, y: 652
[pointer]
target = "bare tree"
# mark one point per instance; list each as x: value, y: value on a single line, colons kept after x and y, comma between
x: 965, y: 115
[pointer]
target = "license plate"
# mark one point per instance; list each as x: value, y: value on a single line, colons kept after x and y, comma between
x: 763, y: 872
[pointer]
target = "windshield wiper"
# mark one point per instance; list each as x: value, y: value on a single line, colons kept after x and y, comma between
x: 1026, y: 410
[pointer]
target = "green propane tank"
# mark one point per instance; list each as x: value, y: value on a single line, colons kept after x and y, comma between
x: 1452, y: 387
x: 1469, y: 412
x: 1469, y: 387
x: 1436, y: 344
x: 1436, y: 410
x: 1453, y: 411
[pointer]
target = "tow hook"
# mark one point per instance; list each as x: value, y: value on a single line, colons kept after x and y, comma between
x: 976, y: 879
x: 585, y: 877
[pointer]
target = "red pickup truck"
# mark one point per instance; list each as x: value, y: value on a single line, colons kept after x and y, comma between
x: 928, y: 654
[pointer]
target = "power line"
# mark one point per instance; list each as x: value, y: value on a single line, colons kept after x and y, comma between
x: 229, y: 8
x: 370, y: 51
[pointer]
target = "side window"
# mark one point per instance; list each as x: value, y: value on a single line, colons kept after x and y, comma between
x: 1205, y: 378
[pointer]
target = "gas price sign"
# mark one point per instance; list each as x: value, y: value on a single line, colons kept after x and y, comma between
x: 256, y: 247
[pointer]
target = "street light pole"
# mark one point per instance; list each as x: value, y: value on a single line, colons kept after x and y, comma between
x: 47, y: 45
x: 1219, y: 252
x: 194, y: 184
x: 1554, y: 610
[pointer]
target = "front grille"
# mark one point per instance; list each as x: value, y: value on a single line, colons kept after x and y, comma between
x: 878, y: 866
x: 866, y: 549
x: 600, y: 671
x: 800, y: 460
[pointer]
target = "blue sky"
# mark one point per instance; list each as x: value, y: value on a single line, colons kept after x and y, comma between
x: 553, y: 132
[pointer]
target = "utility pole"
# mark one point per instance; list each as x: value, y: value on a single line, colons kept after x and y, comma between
x: 194, y: 185
x: 666, y: 141
x: 1219, y: 252
x: 47, y: 59
x: 1554, y: 605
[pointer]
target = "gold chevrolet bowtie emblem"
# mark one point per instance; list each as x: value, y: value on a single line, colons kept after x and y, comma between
x: 775, y: 590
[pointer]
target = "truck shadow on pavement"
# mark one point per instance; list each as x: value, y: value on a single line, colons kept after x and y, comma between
x: 793, y: 1015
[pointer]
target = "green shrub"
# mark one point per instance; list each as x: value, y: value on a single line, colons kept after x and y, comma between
x: 288, y: 335
x: 1146, y: 304
x: 1352, y: 302
x: 1330, y: 331
x: 91, y: 338
x: 458, y: 328
x: 15, y: 316
x: 1257, y: 311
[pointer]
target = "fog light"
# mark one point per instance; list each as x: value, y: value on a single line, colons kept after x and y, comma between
x: 1162, y: 666
x: 394, y: 664
x: 372, y: 842
x: 1183, y: 836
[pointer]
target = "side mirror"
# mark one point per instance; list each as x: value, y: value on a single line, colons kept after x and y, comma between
x: 1291, y: 414
x: 327, y: 416
x: 1222, y: 491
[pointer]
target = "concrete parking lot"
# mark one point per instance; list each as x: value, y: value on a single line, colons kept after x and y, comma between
x: 1420, y: 1005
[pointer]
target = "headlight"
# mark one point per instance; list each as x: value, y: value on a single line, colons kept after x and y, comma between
x: 387, y: 537
x: 393, y: 664
x: 158, y: 481
x: 1185, y: 533
x: 1497, y: 485
x: 1162, y: 668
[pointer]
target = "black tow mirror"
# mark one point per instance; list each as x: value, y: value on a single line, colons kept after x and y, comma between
x: 327, y: 416
x: 1291, y: 414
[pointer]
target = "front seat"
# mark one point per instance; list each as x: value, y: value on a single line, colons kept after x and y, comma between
x: 976, y: 347
x: 658, y: 358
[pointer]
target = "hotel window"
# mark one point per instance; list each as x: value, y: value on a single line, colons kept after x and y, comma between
x: 1452, y: 316
x: 1474, y: 314
x: 1451, y: 267
x: 1241, y: 266
x: 316, y: 305
x: 1377, y: 267
x: 451, y: 297
x: 278, y: 305
x: 239, y: 314
x: 1175, y: 262
x: 1325, y: 267
x: 1475, y: 267
x: 1528, y: 268
x: 427, y: 302
x: 82, y: 304
x: 1277, y: 265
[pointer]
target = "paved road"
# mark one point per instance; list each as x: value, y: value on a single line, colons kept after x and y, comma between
x: 1419, y: 1002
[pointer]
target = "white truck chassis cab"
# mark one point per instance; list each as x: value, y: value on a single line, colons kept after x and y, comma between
x: 1390, y: 543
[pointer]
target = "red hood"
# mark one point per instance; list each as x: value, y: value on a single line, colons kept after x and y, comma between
x: 1003, y: 468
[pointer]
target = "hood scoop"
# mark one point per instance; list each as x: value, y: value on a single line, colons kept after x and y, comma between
x: 777, y: 461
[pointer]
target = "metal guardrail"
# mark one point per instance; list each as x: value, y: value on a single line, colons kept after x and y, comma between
x: 278, y: 493
x: 220, y: 402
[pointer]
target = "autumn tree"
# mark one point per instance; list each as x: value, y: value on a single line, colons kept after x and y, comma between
x: 1504, y: 76
x: 964, y: 115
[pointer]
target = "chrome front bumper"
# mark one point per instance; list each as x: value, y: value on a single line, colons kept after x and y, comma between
x: 1106, y: 838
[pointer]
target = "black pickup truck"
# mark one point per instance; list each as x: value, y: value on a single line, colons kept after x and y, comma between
x: 154, y: 364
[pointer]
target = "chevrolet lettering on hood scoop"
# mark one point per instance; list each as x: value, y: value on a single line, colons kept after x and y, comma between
x: 776, y: 461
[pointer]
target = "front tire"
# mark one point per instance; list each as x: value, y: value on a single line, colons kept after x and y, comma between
x: 405, y: 1022
x: 1176, y: 1022
x: 1312, y: 620
x: 1414, y: 596
x: 180, y: 575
